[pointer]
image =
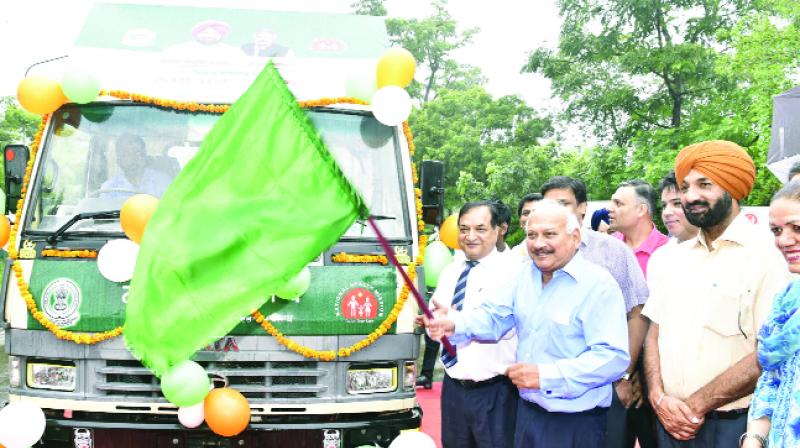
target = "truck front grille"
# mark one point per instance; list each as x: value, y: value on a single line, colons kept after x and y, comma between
x: 254, y: 379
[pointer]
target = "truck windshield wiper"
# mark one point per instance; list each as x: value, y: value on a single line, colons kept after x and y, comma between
x: 109, y: 214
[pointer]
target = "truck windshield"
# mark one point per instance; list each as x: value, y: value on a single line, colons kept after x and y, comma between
x: 96, y: 156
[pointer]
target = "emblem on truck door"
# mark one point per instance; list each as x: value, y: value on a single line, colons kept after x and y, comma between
x: 61, y: 302
x: 359, y: 302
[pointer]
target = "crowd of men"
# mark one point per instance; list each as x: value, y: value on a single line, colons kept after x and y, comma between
x: 593, y: 338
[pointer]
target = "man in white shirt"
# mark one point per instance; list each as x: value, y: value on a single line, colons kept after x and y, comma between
x: 479, y: 402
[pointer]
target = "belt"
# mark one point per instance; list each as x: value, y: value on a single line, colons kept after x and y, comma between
x: 469, y: 384
x: 727, y: 415
x: 599, y: 410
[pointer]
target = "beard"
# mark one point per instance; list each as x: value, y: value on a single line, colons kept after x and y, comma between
x: 713, y: 216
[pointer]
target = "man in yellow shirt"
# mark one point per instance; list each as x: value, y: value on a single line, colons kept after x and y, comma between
x: 708, y: 298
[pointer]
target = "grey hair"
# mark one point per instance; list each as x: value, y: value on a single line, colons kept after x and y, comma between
x: 549, y: 204
x: 645, y: 193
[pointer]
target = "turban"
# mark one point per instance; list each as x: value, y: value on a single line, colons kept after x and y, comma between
x: 599, y: 215
x: 724, y: 162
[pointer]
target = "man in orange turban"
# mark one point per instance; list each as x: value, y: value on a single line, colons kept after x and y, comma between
x: 709, y: 296
x: 726, y: 163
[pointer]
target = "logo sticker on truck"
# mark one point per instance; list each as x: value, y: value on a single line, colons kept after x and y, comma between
x: 61, y: 300
x: 359, y: 302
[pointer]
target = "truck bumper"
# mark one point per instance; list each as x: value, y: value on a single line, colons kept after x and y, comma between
x: 328, y: 431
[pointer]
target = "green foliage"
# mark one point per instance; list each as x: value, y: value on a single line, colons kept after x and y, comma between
x: 431, y: 41
x: 17, y: 126
x: 369, y: 8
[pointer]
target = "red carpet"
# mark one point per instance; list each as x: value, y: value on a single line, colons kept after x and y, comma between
x: 430, y: 399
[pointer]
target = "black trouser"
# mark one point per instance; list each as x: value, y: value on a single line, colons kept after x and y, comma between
x: 481, y: 415
x: 625, y: 426
x: 720, y: 430
x: 429, y: 356
x: 538, y: 428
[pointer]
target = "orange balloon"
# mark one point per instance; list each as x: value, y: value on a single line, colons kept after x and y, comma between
x: 40, y: 95
x: 227, y: 411
x: 135, y: 213
x: 5, y: 231
x: 448, y: 233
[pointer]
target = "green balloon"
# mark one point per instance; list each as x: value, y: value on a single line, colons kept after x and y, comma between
x: 186, y: 384
x: 361, y: 85
x: 295, y: 287
x: 80, y: 86
x: 437, y: 256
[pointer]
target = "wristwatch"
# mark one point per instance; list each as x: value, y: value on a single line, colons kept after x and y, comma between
x: 625, y: 376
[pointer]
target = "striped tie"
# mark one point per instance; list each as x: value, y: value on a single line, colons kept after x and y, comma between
x: 458, y: 302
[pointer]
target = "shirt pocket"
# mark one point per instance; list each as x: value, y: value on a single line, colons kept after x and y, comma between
x: 730, y: 312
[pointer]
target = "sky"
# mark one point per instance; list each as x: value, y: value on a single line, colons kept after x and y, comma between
x: 36, y: 30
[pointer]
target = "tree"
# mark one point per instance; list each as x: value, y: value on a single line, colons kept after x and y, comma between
x: 625, y: 66
x: 431, y: 40
x: 369, y: 8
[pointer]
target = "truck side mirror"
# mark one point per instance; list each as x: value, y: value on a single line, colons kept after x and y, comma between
x: 15, y: 164
x: 431, y: 182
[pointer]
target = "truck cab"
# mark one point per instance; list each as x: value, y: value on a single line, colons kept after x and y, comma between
x: 93, y: 391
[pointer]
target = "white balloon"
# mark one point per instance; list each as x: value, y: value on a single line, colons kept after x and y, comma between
x: 117, y: 259
x: 391, y: 105
x: 412, y: 439
x: 192, y: 416
x: 21, y: 424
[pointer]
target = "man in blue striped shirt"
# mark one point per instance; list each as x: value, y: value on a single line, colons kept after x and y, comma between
x: 573, y: 340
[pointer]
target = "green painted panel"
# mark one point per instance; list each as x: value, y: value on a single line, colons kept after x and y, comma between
x: 340, y: 300
x: 75, y: 296
x: 154, y: 28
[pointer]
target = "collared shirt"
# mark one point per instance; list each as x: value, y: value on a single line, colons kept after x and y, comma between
x: 573, y: 328
x: 520, y: 251
x: 617, y: 259
x: 152, y: 182
x: 709, y: 303
x: 655, y: 240
x: 479, y: 360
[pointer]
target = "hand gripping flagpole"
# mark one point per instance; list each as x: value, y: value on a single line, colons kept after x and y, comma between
x: 422, y: 305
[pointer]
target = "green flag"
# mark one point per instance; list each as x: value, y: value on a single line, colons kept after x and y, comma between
x: 260, y: 200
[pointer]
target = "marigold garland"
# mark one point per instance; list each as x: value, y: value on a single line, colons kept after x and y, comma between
x: 344, y: 257
x: 60, y: 253
x: 93, y: 338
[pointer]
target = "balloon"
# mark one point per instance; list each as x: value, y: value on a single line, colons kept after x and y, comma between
x: 391, y: 105
x: 448, y: 233
x: 21, y: 424
x: 412, y: 439
x: 80, y: 86
x: 116, y: 260
x: 437, y: 256
x: 192, y: 416
x: 295, y: 287
x: 361, y: 84
x: 185, y: 384
x: 135, y: 213
x: 97, y: 114
x: 396, y: 67
x: 5, y: 230
x: 227, y: 411
x: 40, y: 95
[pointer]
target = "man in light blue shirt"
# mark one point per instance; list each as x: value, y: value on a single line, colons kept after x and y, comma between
x: 135, y: 175
x: 573, y: 342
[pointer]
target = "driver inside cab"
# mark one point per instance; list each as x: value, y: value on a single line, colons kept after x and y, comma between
x: 134, y: 175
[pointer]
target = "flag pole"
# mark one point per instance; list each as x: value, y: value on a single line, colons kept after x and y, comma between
x: 422, y: 305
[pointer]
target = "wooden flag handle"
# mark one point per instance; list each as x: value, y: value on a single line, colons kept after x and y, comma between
x: 422, y: 305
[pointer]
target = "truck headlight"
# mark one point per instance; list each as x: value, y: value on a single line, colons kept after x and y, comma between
x: 409, y: 375
x: 51, y: 376
x: 371, y: 380
x: 13, y: 371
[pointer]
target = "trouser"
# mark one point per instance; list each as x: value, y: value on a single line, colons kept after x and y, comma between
x: 538, y: 428
x: 478, y: 415
x: 625, y: 426
x: 429, y: 356
x: 720, y: 430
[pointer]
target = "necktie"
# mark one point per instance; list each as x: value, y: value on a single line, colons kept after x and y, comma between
x: 458, y: 302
